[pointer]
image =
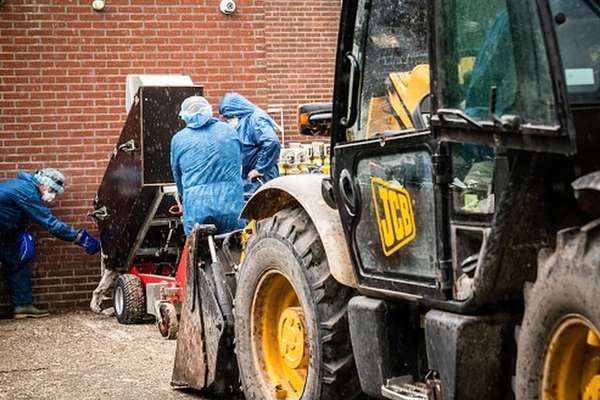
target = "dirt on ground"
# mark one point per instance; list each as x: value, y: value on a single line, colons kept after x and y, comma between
x: 85, y: 356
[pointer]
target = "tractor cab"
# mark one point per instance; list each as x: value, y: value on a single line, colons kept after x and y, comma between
x: 458, y: 127
x: 420, y: 169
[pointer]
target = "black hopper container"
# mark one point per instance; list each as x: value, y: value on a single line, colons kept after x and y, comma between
x: 133, y: 201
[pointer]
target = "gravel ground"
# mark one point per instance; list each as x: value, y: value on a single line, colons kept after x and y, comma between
x: 85, y: 356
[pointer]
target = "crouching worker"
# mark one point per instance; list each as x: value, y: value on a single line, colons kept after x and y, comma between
x: 21, y: 199
x: 206, y: 164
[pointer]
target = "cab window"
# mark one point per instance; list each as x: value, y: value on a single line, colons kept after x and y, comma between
x: 396, y: 232
x: 494, y: 47
x: 577, y: 24
x: 473, y: 178
x: 390, y: 43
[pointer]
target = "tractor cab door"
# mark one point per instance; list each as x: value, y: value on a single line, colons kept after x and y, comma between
x: 498, y: 76
x: 383, y: 175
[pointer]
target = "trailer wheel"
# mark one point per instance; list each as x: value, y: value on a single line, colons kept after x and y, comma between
x: 558, y: 344
x: 167, y: 321
x: 129, y: 299
x: 291, y: 326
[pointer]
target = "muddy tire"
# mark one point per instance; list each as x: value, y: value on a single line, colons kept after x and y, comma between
x: 129, y: 299
x: 561, y: 307
x: 286, y: 253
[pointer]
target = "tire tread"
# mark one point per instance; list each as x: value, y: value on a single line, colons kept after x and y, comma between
x: 566, y: 283
x: 134, y: 299
x: 339, y: 379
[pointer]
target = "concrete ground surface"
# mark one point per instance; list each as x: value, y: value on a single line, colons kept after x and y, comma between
x: 85, y: 356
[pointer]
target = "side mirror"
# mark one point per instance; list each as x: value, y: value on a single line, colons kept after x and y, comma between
x: 314, y: 119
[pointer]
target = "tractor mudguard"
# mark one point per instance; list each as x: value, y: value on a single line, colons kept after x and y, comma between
x: 587, y: 192
x: 305, y: 190
x: 203, y: 358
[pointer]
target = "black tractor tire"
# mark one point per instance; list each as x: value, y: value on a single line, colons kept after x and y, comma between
x: 129, y: 299
x: 289, y: 243
x: 567, y: 284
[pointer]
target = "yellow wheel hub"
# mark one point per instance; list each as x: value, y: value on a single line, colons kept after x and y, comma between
x: 291, y: 337
x: 572, y: 362
x: 279, y: 336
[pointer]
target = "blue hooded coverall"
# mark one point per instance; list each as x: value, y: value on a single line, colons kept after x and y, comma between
x: 206, y: 165
x: 260, y: 144
x: 494, y: 66
x: 20, y: 201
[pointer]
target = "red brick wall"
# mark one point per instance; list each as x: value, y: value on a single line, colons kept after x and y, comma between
x: 300, y: 41
x: 62, y: 90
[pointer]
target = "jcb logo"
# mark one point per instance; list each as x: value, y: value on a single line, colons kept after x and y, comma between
x: 394, y: 215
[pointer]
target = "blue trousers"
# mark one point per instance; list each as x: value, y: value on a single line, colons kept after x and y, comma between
x: 17, y: 276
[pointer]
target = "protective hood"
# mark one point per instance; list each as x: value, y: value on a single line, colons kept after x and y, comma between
x: 26, y: 176
x: 250, y: 117
x: 236, y: 105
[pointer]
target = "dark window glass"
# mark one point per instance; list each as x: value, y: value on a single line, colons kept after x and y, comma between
x: 472, y: 186
x: 390, y: 43
x: 577, y: 24
x: 497, y: 43
x: 396, y: 231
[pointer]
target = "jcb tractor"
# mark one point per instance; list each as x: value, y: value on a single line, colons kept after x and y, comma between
x: 454, y: 250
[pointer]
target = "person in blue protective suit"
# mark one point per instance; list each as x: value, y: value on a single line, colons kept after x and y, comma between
x: 260, y: 144
x: 206, y: 164
x: 494, y: 66
x: 22, y: 199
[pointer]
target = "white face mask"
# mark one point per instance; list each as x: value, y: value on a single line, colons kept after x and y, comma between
x: 48, y: 197
x: 233, y: 122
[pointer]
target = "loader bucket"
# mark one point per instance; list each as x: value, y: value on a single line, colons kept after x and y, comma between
x: 189, y: 369
x: 204, y: 355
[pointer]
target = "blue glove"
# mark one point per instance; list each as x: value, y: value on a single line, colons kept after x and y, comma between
x: 26, y: 248
x: 90, y: 244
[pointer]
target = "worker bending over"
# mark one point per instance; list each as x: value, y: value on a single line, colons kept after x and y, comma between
x: 260, y: 144
x: 27, y: 197
x: 206, y: 164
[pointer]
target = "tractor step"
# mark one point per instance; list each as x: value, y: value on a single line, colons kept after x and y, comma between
x: 403, y: 388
